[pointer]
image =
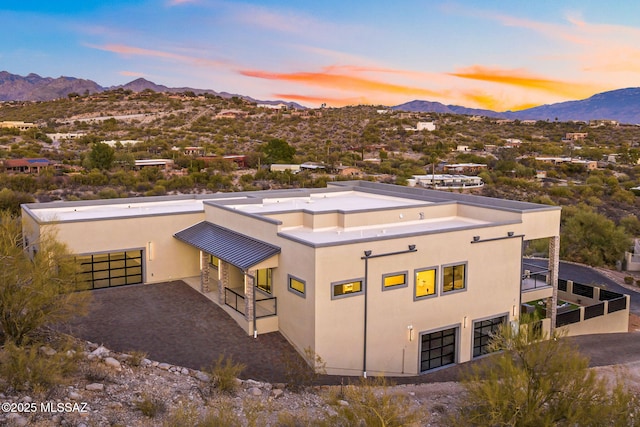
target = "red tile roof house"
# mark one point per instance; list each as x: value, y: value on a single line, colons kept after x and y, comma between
x: 26, y: 165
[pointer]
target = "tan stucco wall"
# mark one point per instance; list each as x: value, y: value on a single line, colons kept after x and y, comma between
x: 169, y: 258
x: 493, y: 288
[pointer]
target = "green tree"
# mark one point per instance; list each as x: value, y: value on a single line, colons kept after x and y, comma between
x: 536, y: 381
x: 591, y: 238
x: 37, y: 283
x: 278, y: 151
x: 101, y: 156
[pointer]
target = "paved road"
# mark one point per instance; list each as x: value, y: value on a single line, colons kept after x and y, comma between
x: 589, y: 276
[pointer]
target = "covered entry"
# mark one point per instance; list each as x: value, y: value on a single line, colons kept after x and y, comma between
x: 239, y: 268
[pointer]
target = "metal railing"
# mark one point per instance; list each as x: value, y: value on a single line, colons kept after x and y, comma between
x: 265, y: 307
x: 234, y: 300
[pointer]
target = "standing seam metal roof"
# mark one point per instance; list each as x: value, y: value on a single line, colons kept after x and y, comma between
x: 230, y: 246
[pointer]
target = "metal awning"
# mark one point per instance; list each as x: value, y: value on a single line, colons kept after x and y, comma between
x: 230, y: 246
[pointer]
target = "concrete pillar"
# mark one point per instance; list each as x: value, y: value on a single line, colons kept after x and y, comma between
x: 554, y: 265
x: 249, y: 303
x: 204, y: 272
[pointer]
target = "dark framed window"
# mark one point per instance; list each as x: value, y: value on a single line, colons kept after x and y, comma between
x: 454, y: 277
x: 394, y: 280
x: 346, y: 288
x: 109, y: 269
x: 263, y: 280
x: 483, y: 330
x: 438, y: 349
x: 425, y: 282
x: 297, y: 286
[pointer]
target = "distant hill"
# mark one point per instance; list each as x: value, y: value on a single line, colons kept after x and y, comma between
x: 622, y: 105
x: 35, y: 88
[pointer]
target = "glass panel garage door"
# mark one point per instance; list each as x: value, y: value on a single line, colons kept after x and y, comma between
x: 438, y: 349
x: 110, y: 269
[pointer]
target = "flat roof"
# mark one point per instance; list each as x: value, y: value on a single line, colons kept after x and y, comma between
x: 337, y: 235
x: 344, y: 201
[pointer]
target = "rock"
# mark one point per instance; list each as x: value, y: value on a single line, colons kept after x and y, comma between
x: 255, y: 391
x: 100, y: 352
x: 95, y: 387
x: 281, y: 386
x: 114, y: 405
x: 343, y: 403
x: 47, y: 351
x: 184, y: 371
x: 276, y: 393
x: 26, y: 399
x: 17, y: 420
x: 113, y: 363
x: 145, y: 362
x: 74, y: 395
x: 202, y: 376
x: 252, y: 383
x: 164, y: 366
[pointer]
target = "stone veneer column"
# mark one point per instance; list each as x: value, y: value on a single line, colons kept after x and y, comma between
x: 249, y: 303
x: 554, y: 265
x: 204, y: 273
x: 224, y: 280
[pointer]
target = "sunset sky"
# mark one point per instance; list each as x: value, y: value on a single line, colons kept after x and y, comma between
x: 501, y: 55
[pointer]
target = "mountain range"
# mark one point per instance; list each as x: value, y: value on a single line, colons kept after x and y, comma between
x: 622, y: 105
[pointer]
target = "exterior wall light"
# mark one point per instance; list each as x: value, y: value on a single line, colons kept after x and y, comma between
x: 510, y: 233
x: 410, y: 329
x: 476, y: 238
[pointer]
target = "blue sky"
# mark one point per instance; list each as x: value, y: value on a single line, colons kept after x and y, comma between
x: 492, y: 54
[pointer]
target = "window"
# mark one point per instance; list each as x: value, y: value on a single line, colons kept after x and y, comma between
x: 263, y: 280
x: 453, y: 277
x: 482, y: 332
x: 297, y: 286
x: 214, y: 261
x: 109, y: 269
x: 438, y: 349
x: 425, y: 283
x: 348, y: 288
x: 394, y: 280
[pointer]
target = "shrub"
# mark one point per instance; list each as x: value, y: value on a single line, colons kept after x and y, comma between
x: 151, y: 406
x: 303, y: 372
x: 27, y: 369
x: 628, y: 280
x: 224, y: 373
x: 371, y: 403
x: 136, y: 357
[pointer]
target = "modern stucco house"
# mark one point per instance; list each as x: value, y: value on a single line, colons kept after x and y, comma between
x: 374, y: 278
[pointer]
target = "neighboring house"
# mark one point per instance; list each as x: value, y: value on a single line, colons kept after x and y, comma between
x: 588, y: 164
x: 281, y: 167
x: 374, y: 278
x: 17, y: 125
x: 464, y: 168
x: 632, y: 259
x: 349, y: 171
x: 166, y: 164
x: 26, y: 165
x: 430, y: 126
x: 446, y: 181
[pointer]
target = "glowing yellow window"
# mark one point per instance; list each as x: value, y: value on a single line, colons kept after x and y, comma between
x: 392, y: 280
x: 425, y: 283
x: 296, y: 285
x: 347, y: 288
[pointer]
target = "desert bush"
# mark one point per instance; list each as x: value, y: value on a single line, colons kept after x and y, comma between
x: 539, y: 380
x: 189, y: 415
x: 151, y: 406
x: 372, y: 403
x: 628, y: 280
x: 26, y: 368
x: 303, y: 372
x: 136, y: 357
x: 224, y: 373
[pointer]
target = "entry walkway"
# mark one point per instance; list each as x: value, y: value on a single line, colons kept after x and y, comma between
x: 174, y: 323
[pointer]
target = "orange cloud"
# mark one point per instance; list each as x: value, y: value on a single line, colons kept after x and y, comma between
x: 342, y: 82
x: 131, y: 74
x: 522, y: 79
x: 137, y: 51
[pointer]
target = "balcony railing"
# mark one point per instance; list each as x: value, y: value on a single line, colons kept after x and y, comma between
x: 265, y: 307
